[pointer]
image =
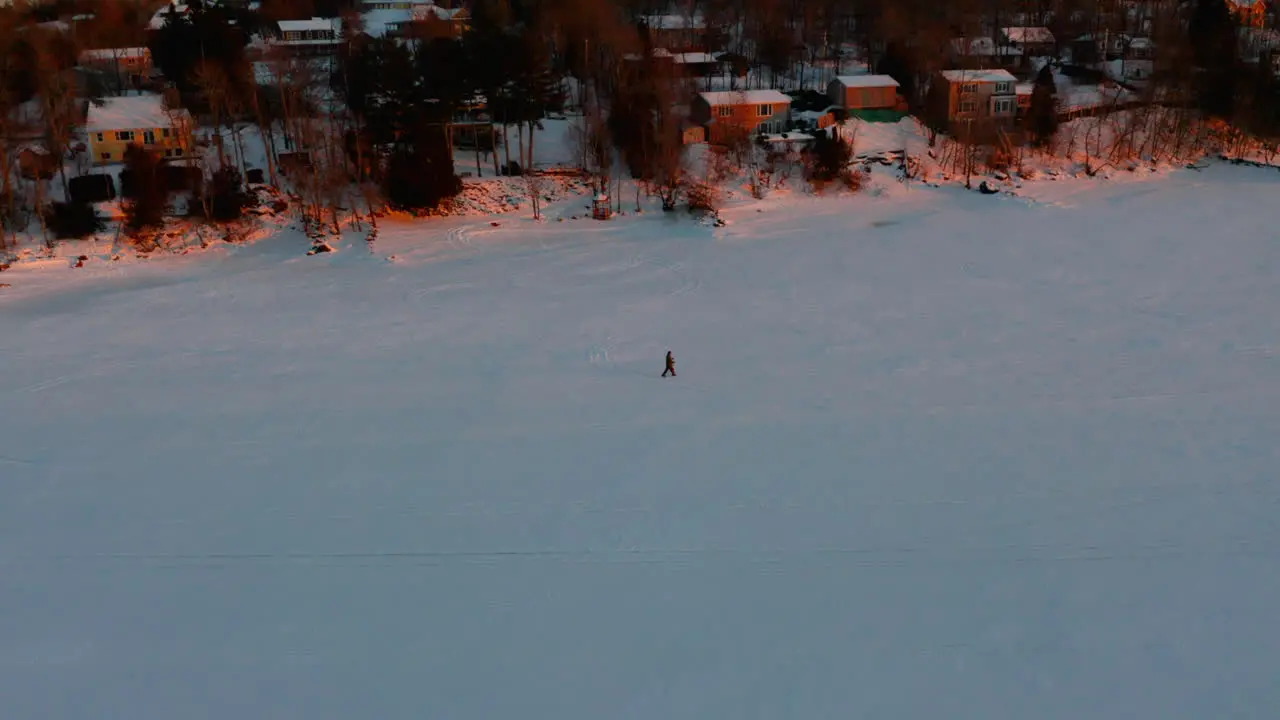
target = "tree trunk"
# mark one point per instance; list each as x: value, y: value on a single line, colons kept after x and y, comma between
x: 520, y: 131
x: 239, y: 144
x: 533, y: 126
x: 506, y: 145
x: 493, y: 146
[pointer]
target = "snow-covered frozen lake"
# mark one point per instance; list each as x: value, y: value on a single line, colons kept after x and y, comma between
x: 929, y: 455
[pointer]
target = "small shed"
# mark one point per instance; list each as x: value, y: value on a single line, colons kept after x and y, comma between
x: 601, y: 208
x: 867, y: 96
x: 35, y: 161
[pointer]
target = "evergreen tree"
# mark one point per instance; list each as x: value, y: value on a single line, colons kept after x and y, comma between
x: 146, y: 192
x: 829, y: 158
x: 1212, y: 34
x: 227, y: 198
x: 420, y: 173
x: 210, y: 35
x: 631, y: 126
x: 1042, y: 116
x: 898, y: 65
x: 73, y: 220
x: 1261, y: 116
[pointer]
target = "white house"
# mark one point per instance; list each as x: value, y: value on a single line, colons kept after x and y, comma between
x: 1032, y: 41
x: 317, y: 36
x: 985, y: 52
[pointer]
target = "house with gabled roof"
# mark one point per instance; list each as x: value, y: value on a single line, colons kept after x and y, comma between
x: 130, y: 64
x: 727, y: 115
x: 1032, y: 41
x: 985, y: 52
x: 117, y: 123
x: 871, y: 97
x: 974, y: 97
x: 316, y: 36
x: 677, y: 33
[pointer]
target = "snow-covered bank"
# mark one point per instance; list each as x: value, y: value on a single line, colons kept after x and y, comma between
x: 930, y: 454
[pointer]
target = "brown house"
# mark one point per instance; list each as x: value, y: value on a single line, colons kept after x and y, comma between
x: 854, y: 93
x: 1249, y: 13
x: 731, y: 114
x: 35, y: 161
x: 1032, y: 41
x: 984, y: 52
x: 131, y: 65
x: 973, y: 99
x: 677, y: 33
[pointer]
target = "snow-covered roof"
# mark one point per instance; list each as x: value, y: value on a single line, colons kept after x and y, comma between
x: 132, y: 112
x: 428, y: 11
x: 981, y: 46
x: 162, y: 15
x: 688, y: 58
x: 675, y: 22
x: 378, y: 22
x: 1028, y: 35
x: 979, y: 76
x: 656, y: 52
x: 313, y: 25
x: 867, y: 81
x: 102, y: 54
x: 1024, y: 88
x: 744, y: 97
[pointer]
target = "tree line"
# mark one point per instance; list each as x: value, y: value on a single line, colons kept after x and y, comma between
x: 378, y: 125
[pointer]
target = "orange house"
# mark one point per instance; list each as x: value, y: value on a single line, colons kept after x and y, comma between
x: 735, y: 113
x: 864, y: 92
x: 1250, y: 13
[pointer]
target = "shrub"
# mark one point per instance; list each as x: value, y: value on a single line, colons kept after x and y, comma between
x: 73, y: 220
x: 828, y: 162
x: 703, y: 197
x: 420, y: 176
x: 147, y: 192
x: 226, y: 198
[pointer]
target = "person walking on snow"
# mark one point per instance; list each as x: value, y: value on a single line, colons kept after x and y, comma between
x: 671, y: 365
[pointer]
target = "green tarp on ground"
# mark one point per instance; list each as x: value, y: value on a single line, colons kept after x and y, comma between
x: 877, y: 115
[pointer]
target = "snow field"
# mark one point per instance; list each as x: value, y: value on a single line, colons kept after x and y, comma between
x: 929, y: 454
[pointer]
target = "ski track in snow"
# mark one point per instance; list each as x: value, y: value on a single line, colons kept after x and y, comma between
x: 929, y: 454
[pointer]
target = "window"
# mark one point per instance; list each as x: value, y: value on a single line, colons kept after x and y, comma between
x: 724, y: 111
x: 1004, y: 88
x: 764, y: 110
x: 168, y: 153
x: 164, y: 132
x: 124, y: 135
x: 968, y: 107
x: 968, y: 87
x: 106, y: 156
x: 1002, y: 106
x: 100, y: 138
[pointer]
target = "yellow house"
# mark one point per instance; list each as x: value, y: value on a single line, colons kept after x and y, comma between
x: 136, y: 120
